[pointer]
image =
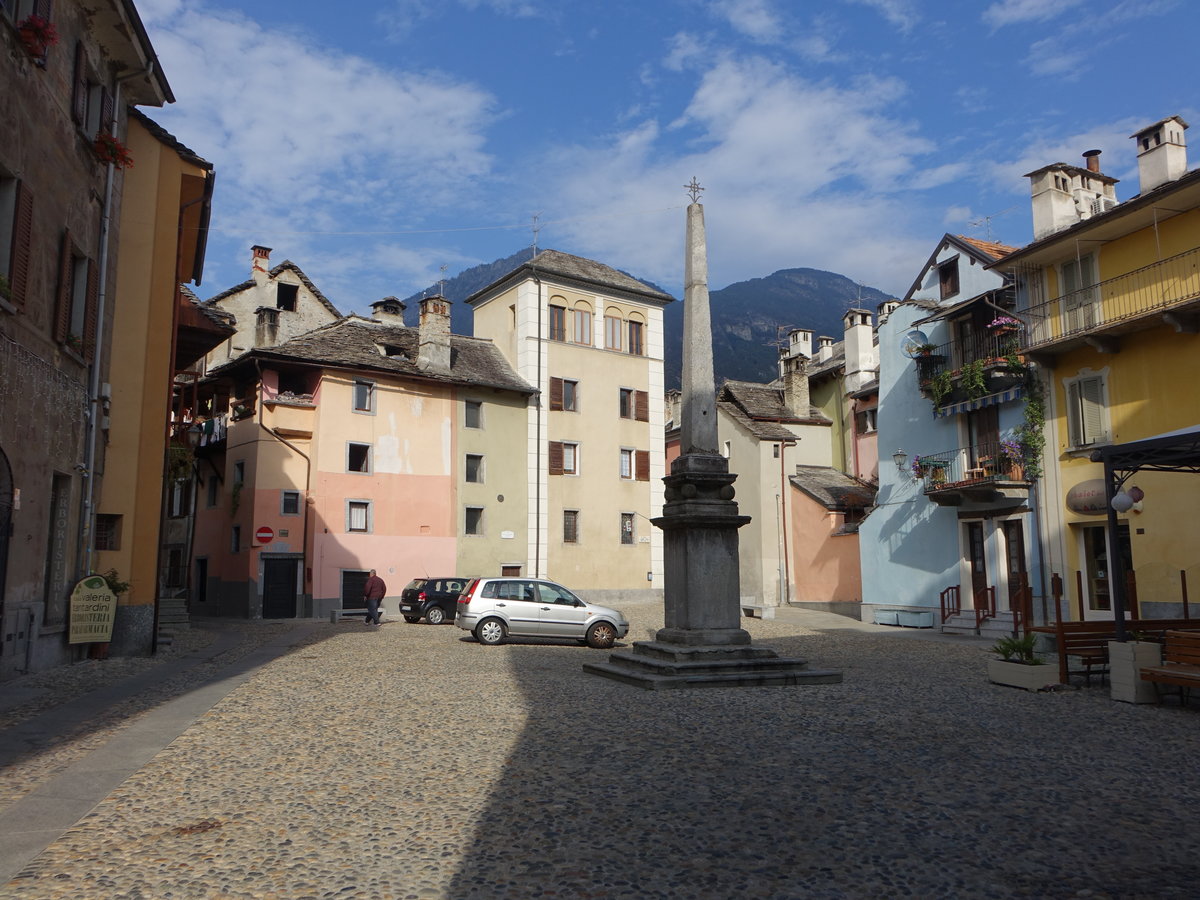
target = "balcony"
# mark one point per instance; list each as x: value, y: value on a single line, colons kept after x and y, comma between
x: 985, y: 474
x: 964, y: 375
x: 290, y: 415
x: 1163, y: 292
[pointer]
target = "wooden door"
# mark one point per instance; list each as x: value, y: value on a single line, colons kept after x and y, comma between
x: 279, y: 589
x: 1014, y: 558
x: 977, y: 556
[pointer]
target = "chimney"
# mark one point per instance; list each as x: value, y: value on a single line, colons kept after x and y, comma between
x: 795, y: 386
x: 824, y: 349
x: 1064, y: 195
x: 860, y: 348
x: 1093, y: 160
x: 434, y: 335
x: 1162, y: 153
x: 885, y: 309
x: 260, y: 257
x: 388, y: 311
x: 799, y: 342
x: 673, y: 398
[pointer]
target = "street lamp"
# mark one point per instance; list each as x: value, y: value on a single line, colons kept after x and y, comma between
x: 900, y: 458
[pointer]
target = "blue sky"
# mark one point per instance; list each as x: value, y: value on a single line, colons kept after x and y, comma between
x: 376, y: 141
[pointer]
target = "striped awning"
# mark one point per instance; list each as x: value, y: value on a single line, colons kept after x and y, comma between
x: 955, y: 409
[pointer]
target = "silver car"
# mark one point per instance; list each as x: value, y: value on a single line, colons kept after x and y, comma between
x: 494, y: 608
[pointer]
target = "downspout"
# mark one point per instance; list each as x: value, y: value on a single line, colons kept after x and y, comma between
x: 537, y: 458
x: 86, y: 530
x: 785, y: 594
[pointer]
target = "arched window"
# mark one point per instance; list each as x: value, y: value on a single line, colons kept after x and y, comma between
x: 581, y: 323
x: 613, y: 325
x: 558, y: 319
x: 637, y: 335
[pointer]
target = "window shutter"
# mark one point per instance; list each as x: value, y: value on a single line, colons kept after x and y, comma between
x: 641, y: 406
x: 556, y: 393
x: 106, y: 111
x: 556, y: 458
x: 1091, y: 409
x: 1073, y: 414
x: 62, y: 322
x: 642, y: 466
x: 21, y: 242
x: 90, y: 313
x: 80, y: 90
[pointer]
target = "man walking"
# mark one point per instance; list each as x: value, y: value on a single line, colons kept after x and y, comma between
x: 373, y: 592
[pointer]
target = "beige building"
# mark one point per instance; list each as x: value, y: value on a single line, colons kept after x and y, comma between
x: 590, y: 339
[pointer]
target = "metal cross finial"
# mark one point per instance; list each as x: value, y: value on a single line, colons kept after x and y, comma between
x: 442, y: 281
x: 694, y: 189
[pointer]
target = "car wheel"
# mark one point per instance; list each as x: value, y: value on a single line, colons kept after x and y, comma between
x: 412, y: 620
x: 435, y: 615
x: 601, y: 635
x: 490, y: 631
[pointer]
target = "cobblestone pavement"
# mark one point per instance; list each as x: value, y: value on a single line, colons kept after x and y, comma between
x: 409, y: 762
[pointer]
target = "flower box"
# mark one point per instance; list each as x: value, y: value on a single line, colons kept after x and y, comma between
x: 1125, y: 663
x: 1015, y: 674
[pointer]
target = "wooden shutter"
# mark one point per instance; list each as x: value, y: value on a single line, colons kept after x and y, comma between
x: 1073, y: 414
x: 80, y: 90
x: 62, y: 320
x: 641, y: 406
x: 22, y: 239
x: 90, y: 322
x: 1091, y: 410
x: 106, y: 112
x: 556, y: 393
x: 642, y: 465
x: 556, y: 458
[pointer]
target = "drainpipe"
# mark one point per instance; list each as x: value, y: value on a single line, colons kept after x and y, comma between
x: 785, y: 594
x: 537, y: 458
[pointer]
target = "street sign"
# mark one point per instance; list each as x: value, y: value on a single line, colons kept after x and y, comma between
x: 265, y: 534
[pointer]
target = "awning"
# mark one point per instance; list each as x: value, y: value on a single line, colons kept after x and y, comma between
x: 955, y: 409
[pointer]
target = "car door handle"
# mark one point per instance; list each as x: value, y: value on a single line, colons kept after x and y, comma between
x: 500, y: 604
x: 545, y: 609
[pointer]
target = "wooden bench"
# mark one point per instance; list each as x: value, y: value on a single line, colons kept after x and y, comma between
x: 1181, y: 664
x: 1087, y: 642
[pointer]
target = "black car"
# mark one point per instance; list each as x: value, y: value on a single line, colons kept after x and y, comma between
x: 433, y: 599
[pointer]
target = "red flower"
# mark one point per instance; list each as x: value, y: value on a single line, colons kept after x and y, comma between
x: 110, y: 150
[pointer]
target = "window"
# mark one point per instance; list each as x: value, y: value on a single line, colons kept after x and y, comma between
x: 91, y: 103
x: 564, y: 458
x: 627, y: 464
x: 581, y: 325
x: 473, y: 413
x: 474, y: 468
x: 1087, y: 415
x: 637, y: 341
x: 358, y: 516
x: 358, y: 458
x: 633, y: 404
x: 179, y: 501
x: 612, y: 332
x: 211, y: 487
x: 558, y: 323
x: 78, y: 290
x: 948, y: 277
x: 239, y: 472
x: 364, y: 396
x: 108, y: 532
x: 289, y: 503
x: 725, y: 448
x: 285, y: 296
x: 570, y: 526
x: 627, y: 522
x: 235, y: 539
x: 564, y: 394
x: 16, y: 233
x: 473, y: 523
x: 864, y: 421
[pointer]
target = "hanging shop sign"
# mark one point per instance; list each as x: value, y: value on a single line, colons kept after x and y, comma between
x: 1087, y: 498
x: 93, y: 607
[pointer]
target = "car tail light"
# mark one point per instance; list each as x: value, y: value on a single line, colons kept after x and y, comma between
x: 465, y: 596
x: 421, y: 596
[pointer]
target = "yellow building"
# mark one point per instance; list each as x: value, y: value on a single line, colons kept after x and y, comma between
x: 1111, y: 301
x: 590, y: 339
x: 163, y: 229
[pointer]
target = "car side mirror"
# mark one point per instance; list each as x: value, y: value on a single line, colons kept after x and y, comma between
x: 577, y: 603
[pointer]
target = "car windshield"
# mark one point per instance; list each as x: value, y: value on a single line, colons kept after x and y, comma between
x: 416, y: 584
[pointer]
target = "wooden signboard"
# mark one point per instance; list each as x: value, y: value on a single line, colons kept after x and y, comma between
x: 93, y: 607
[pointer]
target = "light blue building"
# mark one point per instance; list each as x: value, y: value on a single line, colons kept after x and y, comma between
x: 951, y: 538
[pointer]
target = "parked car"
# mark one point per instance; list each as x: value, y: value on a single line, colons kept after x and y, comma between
x: 494, y: 608
x: 433, y: 599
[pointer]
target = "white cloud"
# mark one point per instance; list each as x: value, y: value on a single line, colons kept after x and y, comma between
x: 753, y: 18
x: 1013, y: 12
x: 900, y: 13
x: 683, y: 50
x: 1118, y: 159
x: 956, y: 215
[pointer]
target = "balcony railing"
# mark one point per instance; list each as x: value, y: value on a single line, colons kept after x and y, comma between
x: 1150, y: 289
x: 967, y: 467
x: 992, y: 347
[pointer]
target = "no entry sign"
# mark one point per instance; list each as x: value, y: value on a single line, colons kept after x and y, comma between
x: 265, y: 534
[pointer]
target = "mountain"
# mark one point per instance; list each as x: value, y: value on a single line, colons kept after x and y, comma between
x: 750, y: 319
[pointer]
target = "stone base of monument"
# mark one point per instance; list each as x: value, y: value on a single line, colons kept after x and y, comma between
x: 658, y: 666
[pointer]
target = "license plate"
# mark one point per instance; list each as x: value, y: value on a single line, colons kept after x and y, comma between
x: 406, y: 609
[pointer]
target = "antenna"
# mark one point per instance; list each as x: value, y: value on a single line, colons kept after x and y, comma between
x: 536, y: 228
x: 780, y: 342
x: 442, y: 280
x: 986, y: 221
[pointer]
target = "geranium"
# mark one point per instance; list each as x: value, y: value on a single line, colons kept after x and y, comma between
x: 1012, y: 450
x: 38, y: 29
x: 1004, y: 322
x: 918, y: 467
x: 110, y: 150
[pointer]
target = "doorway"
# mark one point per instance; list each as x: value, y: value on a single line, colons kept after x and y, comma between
x: 279, y: 588
x: 354, y: 583
x: 200, y: 588
x: 1014, y: 560
x: 1096, y: 568
x: 977, y: 556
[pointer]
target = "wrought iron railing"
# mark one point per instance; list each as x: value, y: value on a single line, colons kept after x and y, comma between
x: 995, y: 348
x: 1152, y: 288
x: 985, y: 462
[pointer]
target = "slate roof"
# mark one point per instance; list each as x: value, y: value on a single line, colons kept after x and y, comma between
x: 576, y: 270
x: 834, y: 490
x: 286, y: 264
x: 165, y: 137
x: 214, y: 314
x: 760, y: 409
x: 354, y: 343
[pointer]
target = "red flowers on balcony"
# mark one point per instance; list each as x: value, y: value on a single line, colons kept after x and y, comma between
x: 37, y: 36
x: 110, y: 150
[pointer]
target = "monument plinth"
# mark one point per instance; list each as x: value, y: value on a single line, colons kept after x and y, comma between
x: 701, y: 643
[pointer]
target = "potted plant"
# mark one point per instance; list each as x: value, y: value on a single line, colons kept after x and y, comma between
x: 109, y: 150
x: 973, y: 380
x: 1019, y: 665
x: 918, y: 467
x: 1004, y: 325
x: 74, y: 343
x: 1012, y: 453
x: 941, y: 386
x: 37, y: 36
x: 1126, y: 659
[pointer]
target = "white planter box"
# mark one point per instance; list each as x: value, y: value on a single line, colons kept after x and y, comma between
x: 1125, y: 662
x: 1031, y: 678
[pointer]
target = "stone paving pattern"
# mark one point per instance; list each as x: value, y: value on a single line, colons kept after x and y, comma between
x: 409, y: 762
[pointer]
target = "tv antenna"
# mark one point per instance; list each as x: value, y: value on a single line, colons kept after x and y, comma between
x: 985, y: 222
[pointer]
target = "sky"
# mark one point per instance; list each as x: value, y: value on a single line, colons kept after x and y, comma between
x: 380, y: 143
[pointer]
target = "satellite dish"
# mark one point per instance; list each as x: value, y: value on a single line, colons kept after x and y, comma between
x: 911, y: 343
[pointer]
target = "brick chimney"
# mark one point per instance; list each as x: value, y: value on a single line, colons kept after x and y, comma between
x: 260, y: 260
x: 388, y: 311
x: 434, y: 335
x: 795, y: 385
x: 1162, y: 153
x: 861, y: 357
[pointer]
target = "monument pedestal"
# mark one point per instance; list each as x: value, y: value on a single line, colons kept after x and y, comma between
x: 659, y: 666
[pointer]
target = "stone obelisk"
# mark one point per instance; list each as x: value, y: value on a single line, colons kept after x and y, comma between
x: 701, y: 643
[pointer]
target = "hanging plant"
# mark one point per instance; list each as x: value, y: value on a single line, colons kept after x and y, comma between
x: 1030, y: 433
x: 109, y: 150
x: 973, y: 380
x: 940, y: 386
x: 37, y: 35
